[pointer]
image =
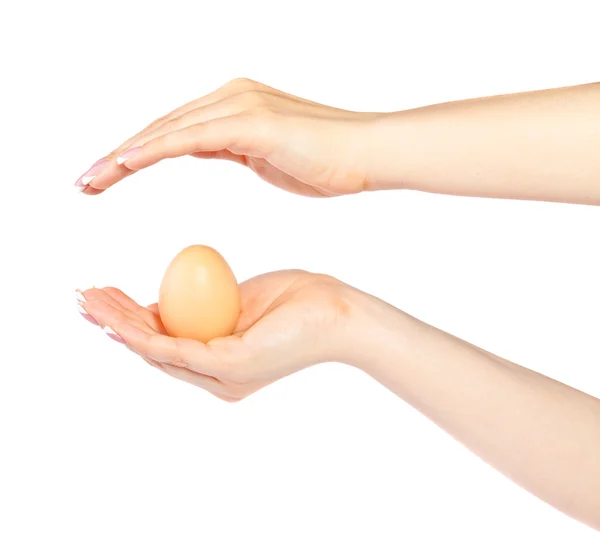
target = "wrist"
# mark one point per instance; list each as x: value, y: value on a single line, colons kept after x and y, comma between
x: 387, y: 138
x: 380, y: 334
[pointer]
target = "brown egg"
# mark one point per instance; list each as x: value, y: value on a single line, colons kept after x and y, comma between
x: 199, y: 296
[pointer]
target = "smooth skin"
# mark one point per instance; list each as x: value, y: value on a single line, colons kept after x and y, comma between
x: 540, y: 145
x: 543, y: 145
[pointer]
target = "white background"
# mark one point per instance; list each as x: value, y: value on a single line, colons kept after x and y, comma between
x: 94, y: 441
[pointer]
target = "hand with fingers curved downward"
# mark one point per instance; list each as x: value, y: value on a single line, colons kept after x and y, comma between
x: 295, y: 144
x: 290, y: 320
x: 320, y: 151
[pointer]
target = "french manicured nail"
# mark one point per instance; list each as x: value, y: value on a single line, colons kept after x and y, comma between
x: 86, y: 315
x: 91, y: 173
x: 114, y: 336
x: 80, y: 297
x: 128, y: 154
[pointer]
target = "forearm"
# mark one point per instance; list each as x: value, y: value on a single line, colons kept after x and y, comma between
x: 540, y: 145
x: 542, y: 434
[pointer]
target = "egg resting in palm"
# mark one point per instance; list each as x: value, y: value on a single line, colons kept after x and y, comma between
x: 199, y: 296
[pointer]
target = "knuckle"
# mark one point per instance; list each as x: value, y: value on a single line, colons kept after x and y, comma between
x: 158, y: 145
x: 146, y: 344
x: 325, y: 279
x: 254, y: 98
x: 261, y: 129
x: 176, y: 358
x: 241, y: 83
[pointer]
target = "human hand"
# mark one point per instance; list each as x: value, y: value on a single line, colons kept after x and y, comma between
x: 295, y: 144
x: 289, y: 321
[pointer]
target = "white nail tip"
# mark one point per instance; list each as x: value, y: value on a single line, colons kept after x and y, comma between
x: 108, y: 330
x: 120, y: 160
x: 81, y: 310
x: 86, y: 180
x: 80, y: 297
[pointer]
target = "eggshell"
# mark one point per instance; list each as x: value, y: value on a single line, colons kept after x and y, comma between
x: 199, y: 296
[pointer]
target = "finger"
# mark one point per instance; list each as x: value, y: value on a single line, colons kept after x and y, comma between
x: 82, y: 183
x: 118, y: 299
x: 114, y: 173
x: 283, y: 180
x: 208, y: 383
x: 231, y: 105
x: 212, y: 385
x: 90, y: 190
x: 244, y: 133
x: 222, y: 155
x: 107, y: 316
x: 111, y: 173
x: 153, y: 363
x: 265, y: 171
x: 122, y: 299
x: 199, y: 380
x: 230, y: 88
x: 150, y: 317
x: 211, y: 97
x: 259, y: 294
x: 186, y: 353
x: 233, y: 87
x: 98, y: 294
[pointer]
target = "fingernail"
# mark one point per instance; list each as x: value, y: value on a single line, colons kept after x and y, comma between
x: 128, y: 154
x: 114, y: 336
x: 80, y: 297
x: 86, y: 315
x: 91, y: 173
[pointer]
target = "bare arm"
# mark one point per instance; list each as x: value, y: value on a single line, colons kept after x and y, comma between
x: 542, y: 145
x: 542, y: 434
x: 539, y: 145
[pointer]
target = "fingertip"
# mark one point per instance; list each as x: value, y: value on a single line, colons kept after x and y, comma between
x: 112, y: 174
x: 92, y: 293
x: 153, y: 307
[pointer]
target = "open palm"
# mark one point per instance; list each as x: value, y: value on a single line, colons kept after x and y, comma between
x: 289, y: 320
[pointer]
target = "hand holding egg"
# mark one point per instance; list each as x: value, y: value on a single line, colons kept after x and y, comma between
x: 281, y: 322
